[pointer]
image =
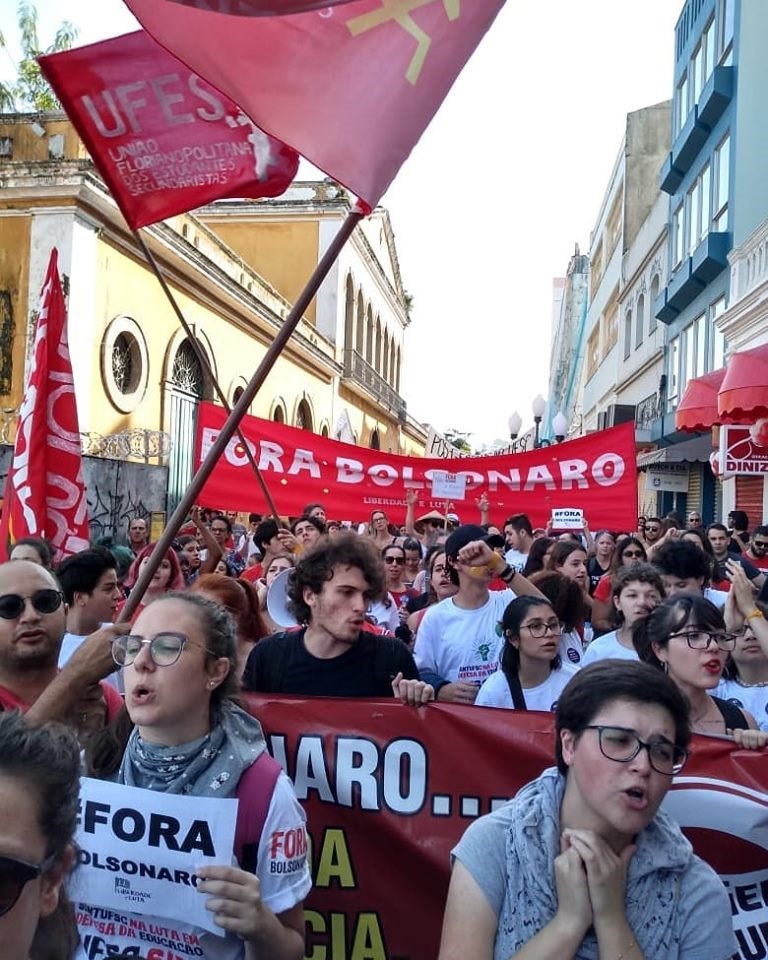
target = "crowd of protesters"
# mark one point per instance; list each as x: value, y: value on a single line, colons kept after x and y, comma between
x: 641, y: 636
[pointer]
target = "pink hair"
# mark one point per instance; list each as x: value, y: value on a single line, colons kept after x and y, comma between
x: 176, y: 581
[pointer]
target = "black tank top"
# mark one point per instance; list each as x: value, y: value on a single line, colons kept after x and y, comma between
x: 732, y: 715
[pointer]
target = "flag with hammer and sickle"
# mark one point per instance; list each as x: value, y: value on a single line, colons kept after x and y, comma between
x: 349, y: 85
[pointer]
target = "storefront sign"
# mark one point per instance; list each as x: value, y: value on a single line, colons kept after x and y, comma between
x: 744, y: 449
x: 668, y: 477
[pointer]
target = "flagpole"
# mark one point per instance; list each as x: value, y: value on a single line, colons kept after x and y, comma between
x: 239, y: 410
x: 202, y: 357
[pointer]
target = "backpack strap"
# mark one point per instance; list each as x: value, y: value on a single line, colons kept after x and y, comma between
x: 254, y: 791
x: 516, y: 689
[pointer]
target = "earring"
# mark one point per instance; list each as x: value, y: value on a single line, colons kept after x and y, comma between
x: 665, y: 666
x: 211, y: 683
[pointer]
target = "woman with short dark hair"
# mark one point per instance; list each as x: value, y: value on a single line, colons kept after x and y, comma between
x: 583, y: 864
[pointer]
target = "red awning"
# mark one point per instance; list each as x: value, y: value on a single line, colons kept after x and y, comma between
x: 697, y: 411
x: 743, y: 396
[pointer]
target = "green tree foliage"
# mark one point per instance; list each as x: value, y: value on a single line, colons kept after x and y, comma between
x: 30, y: 90
x: 458, y: 440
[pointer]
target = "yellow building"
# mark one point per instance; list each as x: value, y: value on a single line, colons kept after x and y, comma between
x: 235, y: 268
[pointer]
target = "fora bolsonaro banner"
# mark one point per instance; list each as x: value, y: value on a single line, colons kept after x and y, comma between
x: 596, y: 474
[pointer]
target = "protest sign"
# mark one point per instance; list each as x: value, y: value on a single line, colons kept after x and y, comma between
x: 389, y: 790
x: 567, y: 518
x: 448, y: 486
x: 138, y: 851
x: 596, y: 473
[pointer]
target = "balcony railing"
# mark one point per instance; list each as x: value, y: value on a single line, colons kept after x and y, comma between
x: 358, y: 369
x: 648, y: 411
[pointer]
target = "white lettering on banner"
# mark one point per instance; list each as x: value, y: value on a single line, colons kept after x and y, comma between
x: 348, y: 471
x: 304, y: 460
x: 573, y: 471
x: 151, y: 844
x: 365, y: 775
x: 608, y: 469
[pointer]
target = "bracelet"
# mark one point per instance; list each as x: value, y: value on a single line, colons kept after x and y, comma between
x: 508, y: 573
x: 756, y: 613
x: 629, y: 949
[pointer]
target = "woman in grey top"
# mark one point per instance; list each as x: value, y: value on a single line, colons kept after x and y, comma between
x: 582, y: 864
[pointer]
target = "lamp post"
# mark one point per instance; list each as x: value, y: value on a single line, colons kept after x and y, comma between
x: 560, y: 426
x: 538, y: 407
x: 515, y: 422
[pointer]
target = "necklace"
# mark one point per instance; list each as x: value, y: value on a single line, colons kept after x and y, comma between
x: 741, y: 683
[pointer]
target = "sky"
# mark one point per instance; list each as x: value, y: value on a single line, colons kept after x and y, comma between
x: 507, y: 178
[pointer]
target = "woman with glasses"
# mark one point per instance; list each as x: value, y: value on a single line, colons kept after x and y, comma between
x: 394, y: 559
x: 686, y: 637
x: 39, y: 789
x: 745, y: 678
x: 628, y: 550
x: 531, y: 675
x: 191, y: 738
x: 582, y: 863
x: 378, y: 529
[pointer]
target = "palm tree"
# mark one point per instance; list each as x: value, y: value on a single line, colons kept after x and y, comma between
x: 30, y: 90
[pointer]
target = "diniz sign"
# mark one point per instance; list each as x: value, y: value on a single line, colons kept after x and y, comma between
x: 597, y: 474
x: 744, y: 449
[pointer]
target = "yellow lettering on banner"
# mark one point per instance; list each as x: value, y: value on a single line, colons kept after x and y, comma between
x: 367, y: 939
x: 334, y: 862
x: 400, y: 11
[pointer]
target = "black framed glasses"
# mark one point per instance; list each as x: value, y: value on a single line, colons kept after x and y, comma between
x: 44, y: 601
x: 539, y: 628
x: 164, y: 648
x: 15, y: 875
x: 759, y: 544
x: 701, y: 639
x: 633, y: 554
x: 622, y: 745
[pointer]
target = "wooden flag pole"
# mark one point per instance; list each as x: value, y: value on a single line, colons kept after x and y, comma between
x: 205, y: 364
x: 239, y: 410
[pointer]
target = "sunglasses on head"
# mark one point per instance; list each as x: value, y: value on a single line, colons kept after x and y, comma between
x: 44, y: 601
x: 15, y: 875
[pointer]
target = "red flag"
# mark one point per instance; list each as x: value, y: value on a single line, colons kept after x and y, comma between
x: 163, y: 139
x: 44, y: 491
x: 351, y: 87
x: 260, y: 8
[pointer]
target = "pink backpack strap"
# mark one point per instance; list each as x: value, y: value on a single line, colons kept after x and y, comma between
x: 254, y: 791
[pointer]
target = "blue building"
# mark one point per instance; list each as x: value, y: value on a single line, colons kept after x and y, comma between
x: 716, y: 179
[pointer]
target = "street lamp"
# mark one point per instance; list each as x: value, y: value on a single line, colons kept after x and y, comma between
x: 538, y: 407
x: 515, y: 422
x: 560, y: 426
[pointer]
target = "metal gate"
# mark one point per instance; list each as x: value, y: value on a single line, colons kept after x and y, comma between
x: 183, y: 426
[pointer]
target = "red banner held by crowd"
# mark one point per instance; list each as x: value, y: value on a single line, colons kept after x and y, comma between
x: 351, y: 86
x: 44, y: 491
x: 164, y: 140
x: 389, y: 790
x: 597, y: 473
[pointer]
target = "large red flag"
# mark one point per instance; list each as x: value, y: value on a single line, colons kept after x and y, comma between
x: 163, y: 139
x: 261, y: 8
x: 44, y: 491
x: 351, y: 87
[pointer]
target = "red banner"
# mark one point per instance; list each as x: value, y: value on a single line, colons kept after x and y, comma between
x: 164, y: 140
x: 44, y: 491
x: 389, y: 790
x: 260, y: 8
x: 597, y: 474
x: 351, y: 86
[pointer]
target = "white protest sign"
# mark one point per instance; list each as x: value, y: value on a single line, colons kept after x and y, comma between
x: 448, y: 486
x: 138, y: 850
x: 567, y: 518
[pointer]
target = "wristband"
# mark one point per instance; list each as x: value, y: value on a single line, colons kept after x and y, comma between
x: 757, y: 613
x: 508, y: 574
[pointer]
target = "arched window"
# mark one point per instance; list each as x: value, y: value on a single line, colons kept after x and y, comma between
x: 187, y: 371
x: 349, y: 315
x: 385, y: 364
x: 397, y: 371
x: 369, y: 335
x: 360, y: 331
x: 640, y: 320
x: 237, y: 394
x: 279, y: 414
x: 654, y: 295
x: 627, y: 334
x: 377, y: 357
x: 303, y: 416
x: 375, y: 443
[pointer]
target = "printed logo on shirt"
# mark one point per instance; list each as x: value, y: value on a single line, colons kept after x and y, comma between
x: 288, y: 850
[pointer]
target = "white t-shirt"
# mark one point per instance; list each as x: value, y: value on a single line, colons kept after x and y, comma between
x: 753, y: 699
x: 495, y: 691
x: 460, y: 644
x: 516, y: 559
x: 385, y: 616
x: 607, y: 647
x: 571, y: 648
x: 284, y: 883
x: 718, y: 597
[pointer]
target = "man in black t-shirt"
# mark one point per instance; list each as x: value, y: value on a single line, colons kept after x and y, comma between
x: 334, y: 655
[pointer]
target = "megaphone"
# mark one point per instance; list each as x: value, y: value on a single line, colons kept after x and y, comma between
x: 277, y: 601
